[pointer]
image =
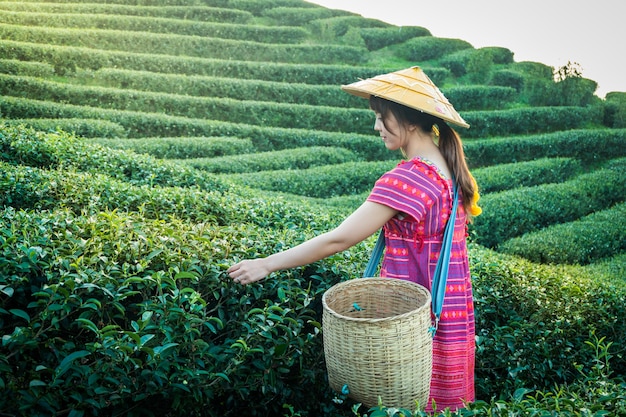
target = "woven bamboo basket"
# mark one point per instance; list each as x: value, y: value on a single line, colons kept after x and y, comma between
x: 377, y: 341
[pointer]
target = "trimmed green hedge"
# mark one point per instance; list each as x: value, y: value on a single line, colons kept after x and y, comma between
x: 378, y: 38
x: 193, y: 46
x: 289, y: 159
x: 426, y: 48
x: 197, y: 85
x: 153, y: 125
x: 263, y: 34
x: 66, y: 59
x: 87, y: 128
x: 33, y: 69
x: 56, y: 150
x: 188, y: 12
x: 481, y: 97
x: 528, y: 209
x: 331, y: 29
x: 594, y: 237
x: 590, y: 146
x: 524, y: 174
x: 300, y: 16
x: 321, y: 182
x: 181, y: 148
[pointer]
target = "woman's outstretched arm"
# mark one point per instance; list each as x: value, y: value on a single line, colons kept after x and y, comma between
x: 361, y: 224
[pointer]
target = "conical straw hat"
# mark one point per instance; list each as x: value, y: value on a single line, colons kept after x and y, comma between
x: 410, y: 87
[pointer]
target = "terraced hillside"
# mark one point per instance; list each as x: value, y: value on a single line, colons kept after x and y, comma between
x: 209, y: 131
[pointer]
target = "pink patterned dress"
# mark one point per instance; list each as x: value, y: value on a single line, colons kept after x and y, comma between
x: 413, y: 241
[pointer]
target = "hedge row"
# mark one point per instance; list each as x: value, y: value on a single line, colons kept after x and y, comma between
x: 152, y: 323
x: 331, y: 29
x: 66, y: 59
x: 196, y: 85
x: 527, y: 209
x: 271, y: 114
x: 427, y: 48
x: 30, y: 68
x: 290, y: 159
x: 472, y: 97
x: 525, y: 174
x: 90, y: 193
x: 590, y: 146
x: 263, y: 34
x: 317, y: 183
x: 158, y: 125
x: 193, y: 46
x: 518, y: 121
x: 378, y: 38
x: 481, y: 97
x: 320, y: 182
x: 186, y: 12
x: 56, y: 150
x: 300, y: 16
x: 87, y: 128
x: 182, y: 148
x: 594, y: 237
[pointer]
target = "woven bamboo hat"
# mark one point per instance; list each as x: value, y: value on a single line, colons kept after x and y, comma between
x: 410, y: 87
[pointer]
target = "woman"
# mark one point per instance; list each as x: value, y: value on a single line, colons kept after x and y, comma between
x: 411, y: 203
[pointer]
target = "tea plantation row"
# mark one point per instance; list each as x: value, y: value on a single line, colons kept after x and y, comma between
x: 136, y: 313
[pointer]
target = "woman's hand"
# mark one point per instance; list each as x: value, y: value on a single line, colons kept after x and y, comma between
x: 249, y: 271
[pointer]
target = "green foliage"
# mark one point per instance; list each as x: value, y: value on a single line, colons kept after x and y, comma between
x: 378, y: 38
x: 33, y: 69
x: 429, y: 47
x: 182, y: 148
x: 615, y: 110
x: 589, y: 239
x: 300, y: 16
x: 290, y: 159
x: 527, y: 209
x: 86, y: 128
x: 589, y: 145
x: 524, y: 174
x: 330, y: 29
x: 481, y: 97
x: 263, y: 34
x: 137, y: 317
x: 322, y: 182
x: 508, y: 78
x: 65, y: 57
x: 191, y: 46
x: 187, y: 11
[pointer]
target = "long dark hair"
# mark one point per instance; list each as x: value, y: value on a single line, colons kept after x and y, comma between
x: 450, y: 143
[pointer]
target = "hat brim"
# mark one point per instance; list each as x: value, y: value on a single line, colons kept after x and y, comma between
x: 410, y: 87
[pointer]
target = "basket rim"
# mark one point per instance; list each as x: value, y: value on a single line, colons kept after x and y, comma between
x: 393, y: 281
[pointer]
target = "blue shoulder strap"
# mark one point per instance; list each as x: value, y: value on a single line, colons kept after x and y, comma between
x: 370, y: 269
x: 438, y: 290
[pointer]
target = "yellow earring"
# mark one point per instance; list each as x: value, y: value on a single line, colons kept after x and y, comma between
x: 436, y: 130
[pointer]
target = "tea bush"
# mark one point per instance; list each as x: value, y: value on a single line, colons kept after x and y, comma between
x: 323, y: 182
x: 378, y: 38
x: 33, y: 69
x: 257, y: 90
x: 591, y: 146
x: 290, y: 159
x: 64, y: 58
x: 263, y: 34
x: 481, y: 97
x: 192, y: 46
x: 300, y: 16
x: 189, y: 12
x: 524, y: 174
x: 331, y: 29
x: 86, y: 128
x: 589, y: 239
x: 181, y: 148
x: 137, y: 317
x: 533, y: 322
x: 509, y: 214
x: 426, y: 48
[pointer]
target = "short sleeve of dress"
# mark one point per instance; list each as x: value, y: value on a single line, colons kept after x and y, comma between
x: 409, y: 188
